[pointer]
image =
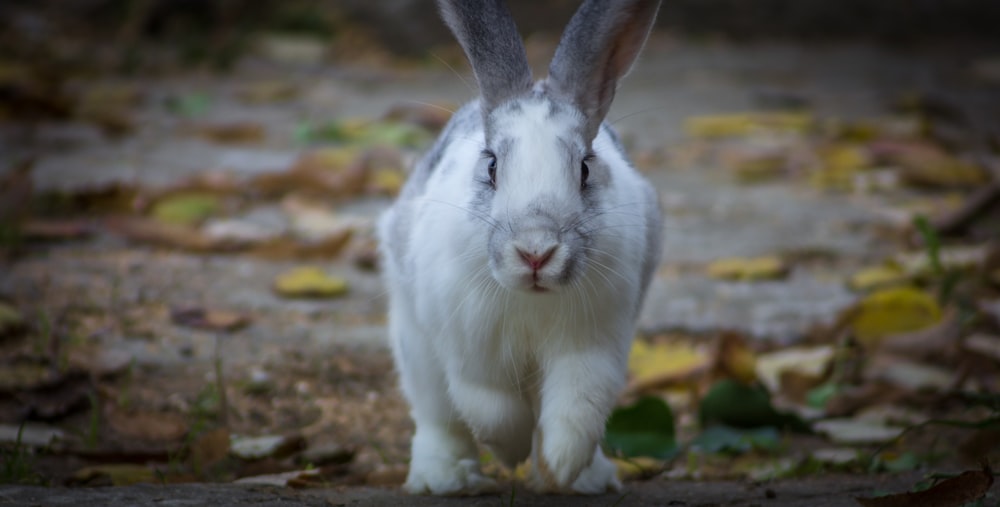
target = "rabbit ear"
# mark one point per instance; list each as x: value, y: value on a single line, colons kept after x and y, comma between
x: 598, y: 48
x: 487, y: 33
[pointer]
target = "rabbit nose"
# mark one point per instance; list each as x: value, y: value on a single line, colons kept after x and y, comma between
x: 536, y: 260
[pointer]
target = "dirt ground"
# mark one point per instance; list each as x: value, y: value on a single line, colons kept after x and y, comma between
x: 142, y: 381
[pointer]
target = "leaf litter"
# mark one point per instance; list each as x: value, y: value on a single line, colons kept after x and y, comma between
x: 914, y: 339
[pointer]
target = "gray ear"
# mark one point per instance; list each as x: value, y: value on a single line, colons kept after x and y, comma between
x: 598, y: 47
x: 487, y: 33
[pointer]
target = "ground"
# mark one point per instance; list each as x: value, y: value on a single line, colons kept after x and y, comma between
x: 319, y: 369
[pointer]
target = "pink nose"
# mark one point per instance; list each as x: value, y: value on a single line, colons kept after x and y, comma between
x: 536, y: 260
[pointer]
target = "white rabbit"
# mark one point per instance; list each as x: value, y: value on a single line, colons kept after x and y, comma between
x: 517, y: 257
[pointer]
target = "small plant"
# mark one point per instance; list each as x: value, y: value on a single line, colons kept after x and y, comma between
x: 17, y: 463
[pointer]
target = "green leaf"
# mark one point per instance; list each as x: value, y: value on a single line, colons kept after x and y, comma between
x: 721, y: 438
x: 186, y: 208
x: 643, y: 429
x: 743, y: 406
x: 190, y: 105
x: 818, y: 396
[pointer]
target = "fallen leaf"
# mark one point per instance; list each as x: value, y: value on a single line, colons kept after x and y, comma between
x: 210, y: 448
x: 430, y: 116
x: 309, y: 282
x: 386, y: 181
x: 638, y: 467
x: 983, y: 344
x: 651, y: 363
x: 290, y: 248
x: 726, y: 439
x: 954, y: 492
x: 114, y: 475
x: 228, y: 133
x: 747, y: 269
x: 837, y: 456
x: 326, y: 454
x: 171, y: 235
x: 265, y: 92
x: 892, y: 311
x: 857, y: 431
x: 147, y: 426
x: 274, y: 446
x: 735, y: 359
x: 741, y: 124
x: 926, y: 165
x: 645, y: 428
x: 185, y: 208
x: 878, y: 277
x: 210, y: 319
x: 908, y: 374
x: 809, y: 361
x: 736, y: 404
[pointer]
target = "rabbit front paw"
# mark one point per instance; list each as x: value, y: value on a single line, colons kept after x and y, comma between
x: 439, y: 477
x: 564, y: 462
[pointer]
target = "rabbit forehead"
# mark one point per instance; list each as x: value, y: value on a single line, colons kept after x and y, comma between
x: 536, y: 115
x: 539, y: 145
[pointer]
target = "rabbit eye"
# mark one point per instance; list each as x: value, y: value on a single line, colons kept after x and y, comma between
x: 584, y: 174
x: 492, y: 171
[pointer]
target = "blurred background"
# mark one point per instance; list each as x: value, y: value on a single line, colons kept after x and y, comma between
x: 189, y: 284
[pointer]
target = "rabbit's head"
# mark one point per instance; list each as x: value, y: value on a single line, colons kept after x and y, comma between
x: 542, y: 183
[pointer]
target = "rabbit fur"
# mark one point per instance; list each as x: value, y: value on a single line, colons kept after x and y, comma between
x: 517, y: 257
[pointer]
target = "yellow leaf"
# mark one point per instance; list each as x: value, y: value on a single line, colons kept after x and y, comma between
x: 747, y: 269
x: 117, y: 474
x: 309, y: 282
x: 845, y: 157
x: 877, y: 277
x: 735, y: 359
x: 387, y: 181
x: 663, y: 359
x: 892, y: 311
x: 637, y: 467
x: 811, y: 361
x: 741, y: 124
x: 185, y: 208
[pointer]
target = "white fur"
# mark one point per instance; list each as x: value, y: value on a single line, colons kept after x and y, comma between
x: 512, y: 304
x: 483, y: 358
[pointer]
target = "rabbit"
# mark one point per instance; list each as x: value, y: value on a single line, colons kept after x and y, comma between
x: 517, y: 257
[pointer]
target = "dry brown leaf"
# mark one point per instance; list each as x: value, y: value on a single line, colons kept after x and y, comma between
x: 954, y: 492
x: 113, y: 475
x: 289, y: 248
x: 431, y: 116
x: 924, y: 164
x: 229, y: 133
x: 147, y: 426
x: 56, y: 230
x: 210, y: 448
x: 735, y: 359
x: 210, y: 319
x: 171, y: 235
